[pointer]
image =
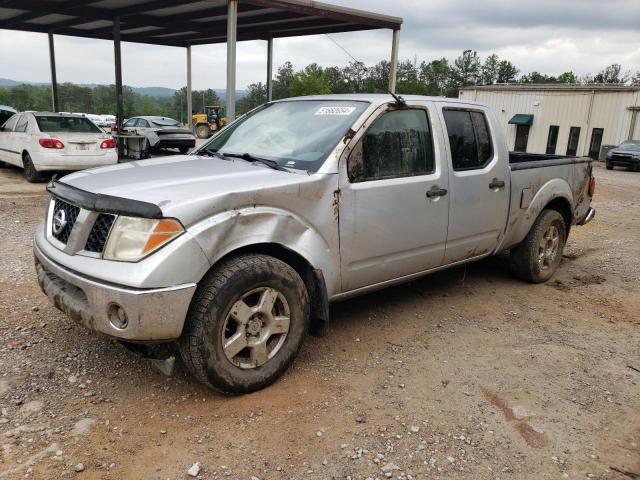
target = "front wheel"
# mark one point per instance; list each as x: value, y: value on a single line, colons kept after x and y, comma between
x: 203, y: 131
x: 246, y: 323
x: 537, y: 258
x: 608, y: 166
x: 183, y: 150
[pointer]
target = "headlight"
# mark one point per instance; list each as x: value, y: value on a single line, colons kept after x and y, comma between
x: 132, y: 238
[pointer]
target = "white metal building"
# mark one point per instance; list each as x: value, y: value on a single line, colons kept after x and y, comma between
x: 562, y: 119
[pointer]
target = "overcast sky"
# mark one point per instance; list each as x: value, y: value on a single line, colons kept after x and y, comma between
x: 549, y: 36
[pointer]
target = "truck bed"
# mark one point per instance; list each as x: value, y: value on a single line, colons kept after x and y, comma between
x: 524, y: 161
x: 535, y: 180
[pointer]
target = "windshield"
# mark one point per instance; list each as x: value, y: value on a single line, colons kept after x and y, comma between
x: 634, y: 146
x: 51, y: 124
x: 165, y: 122
x: 296, y: 134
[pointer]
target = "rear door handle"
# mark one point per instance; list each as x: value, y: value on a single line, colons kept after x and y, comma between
x: 495, y: 183
x: 436, y: 192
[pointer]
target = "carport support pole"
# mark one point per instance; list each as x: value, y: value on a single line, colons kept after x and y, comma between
x: 117, y: 57
x: 394, y: 60
x: 189, y: 99
x: 232, y: 24
x: 269, y: 68
x: 54, y: 80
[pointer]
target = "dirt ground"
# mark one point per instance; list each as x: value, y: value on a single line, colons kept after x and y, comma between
x: 468, y: 373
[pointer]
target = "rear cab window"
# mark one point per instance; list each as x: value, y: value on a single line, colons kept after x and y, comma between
x: 469, y: 138
x: 397, y: 144
x: 57, y: 124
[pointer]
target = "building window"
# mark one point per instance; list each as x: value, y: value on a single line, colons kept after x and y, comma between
x: 469, y: 138
x: 574, y: 138
x: 596, y: 142
x: 552, y: 139
x: 398, y: 144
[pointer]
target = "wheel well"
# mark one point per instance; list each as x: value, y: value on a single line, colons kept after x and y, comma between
x: 563, y: 207
x: 312, y: 278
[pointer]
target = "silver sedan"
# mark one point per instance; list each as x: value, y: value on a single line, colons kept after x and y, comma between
x: 162, y: 132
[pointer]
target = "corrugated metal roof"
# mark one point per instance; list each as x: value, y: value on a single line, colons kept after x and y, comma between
x: 533, y: 87
x: 186, y: 22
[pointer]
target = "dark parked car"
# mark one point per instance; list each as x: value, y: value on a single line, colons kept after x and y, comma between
x: 627, y: 154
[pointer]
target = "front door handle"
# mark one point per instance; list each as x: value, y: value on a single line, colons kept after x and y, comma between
x: 495, y: 183
x: 436, y: 192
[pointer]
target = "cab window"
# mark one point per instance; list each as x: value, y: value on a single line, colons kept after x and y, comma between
x: 398, y: 144
x: 469, y: 138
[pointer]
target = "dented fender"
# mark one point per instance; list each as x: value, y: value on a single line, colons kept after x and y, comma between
x: 231, y: 230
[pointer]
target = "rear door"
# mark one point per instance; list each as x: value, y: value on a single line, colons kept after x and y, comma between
x: 7, y: 153
x: 479, y: 183
x: 393, y: 199
x: 18, y: 140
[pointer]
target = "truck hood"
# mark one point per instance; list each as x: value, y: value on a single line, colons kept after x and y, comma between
x: 186, y: 187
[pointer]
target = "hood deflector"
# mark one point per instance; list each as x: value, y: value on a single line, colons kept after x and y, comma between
x: 103, y: 203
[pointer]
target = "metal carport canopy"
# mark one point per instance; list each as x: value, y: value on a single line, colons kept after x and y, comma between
x: 183, y: 23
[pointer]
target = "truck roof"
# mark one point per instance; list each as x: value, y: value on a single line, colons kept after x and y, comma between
x: 378, y: 98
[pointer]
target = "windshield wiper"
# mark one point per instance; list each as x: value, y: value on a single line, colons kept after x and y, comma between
x: 253, y: 159
x: 213, y: 152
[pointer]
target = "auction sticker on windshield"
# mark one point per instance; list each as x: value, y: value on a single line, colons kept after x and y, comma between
x: 335, y: 111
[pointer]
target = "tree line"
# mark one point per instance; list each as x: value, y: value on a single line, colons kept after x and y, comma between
x: 438, y: 77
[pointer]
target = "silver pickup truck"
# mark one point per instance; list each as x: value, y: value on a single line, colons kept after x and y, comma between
x: 234, y: 252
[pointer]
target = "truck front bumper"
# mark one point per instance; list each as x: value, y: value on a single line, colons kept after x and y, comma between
x: 138, y: 315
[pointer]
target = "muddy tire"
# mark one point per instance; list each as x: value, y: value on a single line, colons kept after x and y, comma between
x: 30, y: 172
x: 203, y: 131
x: 537, y: 258
x: 246, y: 324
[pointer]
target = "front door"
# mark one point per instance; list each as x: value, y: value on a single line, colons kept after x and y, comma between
x: 478, y: 177
x: 394, y: 203
x: 522, y: 138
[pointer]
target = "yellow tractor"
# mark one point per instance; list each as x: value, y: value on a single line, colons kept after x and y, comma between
x: 208, y: 123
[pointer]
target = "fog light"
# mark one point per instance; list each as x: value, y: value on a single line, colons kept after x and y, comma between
x: 117, y: 316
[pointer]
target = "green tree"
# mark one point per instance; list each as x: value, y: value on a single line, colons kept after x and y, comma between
x: 507, y: 72
x: 467, y: 70
x: 256, y: 96
x: 491, y: 69
x: 568, y: 77
x: 311, y: 81
x: 612, y: 74
x: 282, y: 82
x: 437, y: 77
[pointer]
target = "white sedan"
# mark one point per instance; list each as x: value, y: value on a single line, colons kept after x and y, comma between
x: 39, y: 142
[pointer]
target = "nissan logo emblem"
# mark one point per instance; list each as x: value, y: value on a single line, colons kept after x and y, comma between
x: 59, y: 221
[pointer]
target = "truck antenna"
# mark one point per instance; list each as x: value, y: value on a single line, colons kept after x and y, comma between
x: 399, y: 100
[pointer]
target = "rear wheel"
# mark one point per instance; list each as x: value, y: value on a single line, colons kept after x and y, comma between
x: 246, y: 324
x: 30, y: 172
x: 203, y: 131
x: 537, y: 258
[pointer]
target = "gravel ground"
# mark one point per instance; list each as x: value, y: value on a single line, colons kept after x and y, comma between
x: 468, y: 373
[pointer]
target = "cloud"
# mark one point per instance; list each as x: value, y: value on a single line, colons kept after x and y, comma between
x: 548, y: 36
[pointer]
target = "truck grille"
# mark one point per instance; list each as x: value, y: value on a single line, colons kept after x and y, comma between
x: 63, y: 219
x: 99, y: 233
